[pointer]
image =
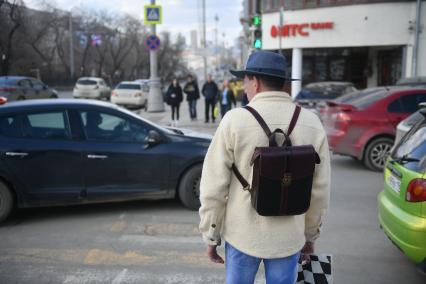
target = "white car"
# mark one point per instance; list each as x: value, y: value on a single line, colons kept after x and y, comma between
x: 130, y: 94
x: 91, y: 88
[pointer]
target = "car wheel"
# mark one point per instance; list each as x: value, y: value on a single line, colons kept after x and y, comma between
x: 377, y: 152
x: 6, y: 201
x: 189, y: 188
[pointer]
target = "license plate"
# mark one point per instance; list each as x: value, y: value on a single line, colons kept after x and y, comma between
x: 394, y: 183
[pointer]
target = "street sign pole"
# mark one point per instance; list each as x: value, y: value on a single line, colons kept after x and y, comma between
x: 155, y: 97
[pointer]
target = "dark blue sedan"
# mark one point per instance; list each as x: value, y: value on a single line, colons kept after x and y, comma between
x: 60, y: 152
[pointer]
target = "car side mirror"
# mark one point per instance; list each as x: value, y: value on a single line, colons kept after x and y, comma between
x: 152, y: 139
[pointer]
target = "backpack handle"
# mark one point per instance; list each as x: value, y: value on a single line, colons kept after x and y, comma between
x: 271, y: 135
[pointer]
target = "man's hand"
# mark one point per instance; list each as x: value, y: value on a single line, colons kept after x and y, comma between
x: 307, y: 249
x: 213, y: 256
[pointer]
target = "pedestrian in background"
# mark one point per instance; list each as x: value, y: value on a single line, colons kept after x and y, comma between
x: 210, y: 92
x: 226, y: 211
x: 173, y: 99
x: 226, y: 98
x: 192, y: 95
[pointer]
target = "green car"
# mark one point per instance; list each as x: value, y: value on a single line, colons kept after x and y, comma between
x: 402, y: 203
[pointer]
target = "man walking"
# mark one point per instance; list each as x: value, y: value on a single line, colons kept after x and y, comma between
x: 210, y: 92
x: 192, y: 95
x: 226, y: 98
x: 226, y: 212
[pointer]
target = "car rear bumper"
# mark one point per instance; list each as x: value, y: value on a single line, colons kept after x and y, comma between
x: 340, y: 143
x: 87, y: 95
x: 406, y: 231
x: 139, y: 101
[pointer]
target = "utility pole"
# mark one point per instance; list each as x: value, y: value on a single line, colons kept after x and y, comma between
x: 204, y: 40
x: 280, y: 27
x: 416, y: 41
x: 155, y: 98
x: 71, y: 48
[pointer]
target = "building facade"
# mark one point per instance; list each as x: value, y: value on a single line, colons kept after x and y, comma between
x: 369, y: 43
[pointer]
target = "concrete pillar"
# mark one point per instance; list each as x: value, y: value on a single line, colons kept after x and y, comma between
x: 408, y: 60
x: 296, y: 71
x: 373, y: 64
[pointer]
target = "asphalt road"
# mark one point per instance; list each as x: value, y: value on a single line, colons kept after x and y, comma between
x: 158, y: 241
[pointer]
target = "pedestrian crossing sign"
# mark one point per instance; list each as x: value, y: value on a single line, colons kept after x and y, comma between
x: 153, y: 15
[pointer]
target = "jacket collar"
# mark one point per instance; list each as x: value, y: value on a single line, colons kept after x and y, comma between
x: 271, y: 95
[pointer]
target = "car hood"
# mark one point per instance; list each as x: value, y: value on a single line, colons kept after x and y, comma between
x: 190, y: 133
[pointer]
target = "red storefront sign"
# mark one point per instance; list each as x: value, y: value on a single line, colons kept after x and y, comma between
x: 299, y: 29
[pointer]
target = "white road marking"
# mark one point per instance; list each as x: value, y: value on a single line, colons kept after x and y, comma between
x: 120, y: 277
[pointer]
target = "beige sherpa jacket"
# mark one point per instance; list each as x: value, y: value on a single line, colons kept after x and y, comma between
x: 226, y: 212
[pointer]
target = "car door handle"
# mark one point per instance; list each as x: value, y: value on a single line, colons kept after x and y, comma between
x: 16, y: 154
x: 97, y: 156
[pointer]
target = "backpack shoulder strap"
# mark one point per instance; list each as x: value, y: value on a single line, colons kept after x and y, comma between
x: 259, y: 119
x: 294, y: 119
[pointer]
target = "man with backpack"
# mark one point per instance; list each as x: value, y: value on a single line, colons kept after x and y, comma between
x: 256, y: 227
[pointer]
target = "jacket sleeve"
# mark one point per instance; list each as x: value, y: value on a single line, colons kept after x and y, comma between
x: 214, y: 186
x: 320, y: 197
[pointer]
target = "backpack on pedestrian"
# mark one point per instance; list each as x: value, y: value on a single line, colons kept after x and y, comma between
x: 282, y: 174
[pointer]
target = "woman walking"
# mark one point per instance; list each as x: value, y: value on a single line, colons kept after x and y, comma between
x: 173, y: 99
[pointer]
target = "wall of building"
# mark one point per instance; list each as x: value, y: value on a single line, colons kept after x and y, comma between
x: 357, y: 25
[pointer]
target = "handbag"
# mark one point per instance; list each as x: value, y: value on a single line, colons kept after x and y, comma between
x: 282, y: 174
x: 317, y: 271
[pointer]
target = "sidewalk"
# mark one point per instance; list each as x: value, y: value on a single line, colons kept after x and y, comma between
x: 164, y: 118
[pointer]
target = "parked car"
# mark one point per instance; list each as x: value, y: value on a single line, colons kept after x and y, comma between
x: 130, y: 94
x: 91, y: 88
x: 15, y: 88
x: 363, y: 125
x: 60, y: 152
x: 402, y: 203
x: 405, y: 125
x: 315, y: 93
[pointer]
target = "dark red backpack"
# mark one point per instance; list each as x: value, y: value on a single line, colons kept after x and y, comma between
x: 282, y: 174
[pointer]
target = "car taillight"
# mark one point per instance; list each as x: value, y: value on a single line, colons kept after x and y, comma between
x: 3, y: 100
x: 9, y: 90
x: 138, y: 95
x: 341, y: 119
x: 114, y: 94
x: 416, y: 191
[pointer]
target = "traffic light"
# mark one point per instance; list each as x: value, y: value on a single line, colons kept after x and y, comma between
x: 257, y: 31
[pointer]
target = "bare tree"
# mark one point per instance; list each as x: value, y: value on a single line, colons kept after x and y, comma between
x: 11, y: 19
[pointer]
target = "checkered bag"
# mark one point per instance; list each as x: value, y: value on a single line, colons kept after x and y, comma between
x: 317, y: 271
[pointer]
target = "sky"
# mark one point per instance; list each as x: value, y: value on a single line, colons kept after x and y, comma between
x: 179, y: 16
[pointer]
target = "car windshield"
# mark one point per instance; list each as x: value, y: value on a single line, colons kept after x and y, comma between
x: 411, y: 151
x: 363, y: 99
x: 7, y: 81
x: 129, y: 86
x: 86, y: 82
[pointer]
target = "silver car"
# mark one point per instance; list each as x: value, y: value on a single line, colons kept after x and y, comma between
x: 15, y: 88
x: 405, y: 125
x: 91, y: 88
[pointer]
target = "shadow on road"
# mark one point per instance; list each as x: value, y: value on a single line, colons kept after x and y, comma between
x: 34, y: 215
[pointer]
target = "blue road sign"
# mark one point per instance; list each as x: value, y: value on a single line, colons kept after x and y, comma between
x: 153, y: 42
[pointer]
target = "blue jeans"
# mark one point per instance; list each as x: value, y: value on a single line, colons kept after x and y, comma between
x: 242, y: 268
x: 192, y: 108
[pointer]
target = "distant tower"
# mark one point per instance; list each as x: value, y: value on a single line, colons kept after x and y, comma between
x: 194, y: 41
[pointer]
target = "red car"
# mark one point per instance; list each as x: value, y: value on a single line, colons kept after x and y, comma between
x: 363, y: 124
